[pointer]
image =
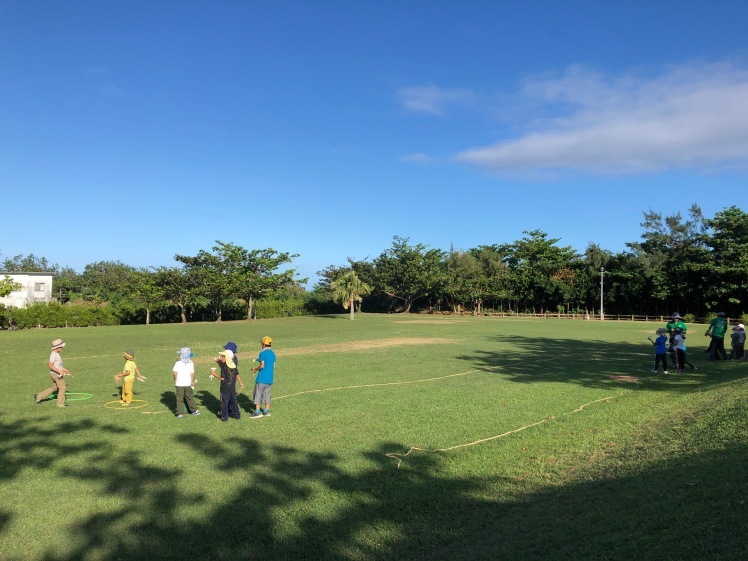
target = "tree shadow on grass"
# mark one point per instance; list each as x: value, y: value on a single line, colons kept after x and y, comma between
x: 591, y: 363
x: 290, y: 504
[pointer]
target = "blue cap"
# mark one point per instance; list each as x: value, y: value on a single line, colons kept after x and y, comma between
x: 230, y: 346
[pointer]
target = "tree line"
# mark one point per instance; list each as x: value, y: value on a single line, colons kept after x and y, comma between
x: 692, y: 265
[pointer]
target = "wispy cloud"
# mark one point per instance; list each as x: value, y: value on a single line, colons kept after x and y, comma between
x: 433, y: 100
x: 693, y: 116
x: 417, y: 159
x: 112, y: 90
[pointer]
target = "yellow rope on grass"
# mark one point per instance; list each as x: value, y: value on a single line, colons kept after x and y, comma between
x: 387, y: 383
x: 399, y: 457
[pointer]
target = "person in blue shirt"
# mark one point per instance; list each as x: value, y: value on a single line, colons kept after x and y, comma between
x: 660, y: 345
x: 265, y: 370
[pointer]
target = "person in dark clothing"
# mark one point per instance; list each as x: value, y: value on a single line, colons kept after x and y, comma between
x: 228, y: 376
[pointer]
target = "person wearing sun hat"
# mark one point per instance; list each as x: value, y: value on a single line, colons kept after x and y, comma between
x: 229, y: 376
x: 184, y: 381
x: 676, y: 322
x: 737, y: 343
x: 660, y: 345
x: 128, y: 377
x: 231, y: 346
x: 57, y: 373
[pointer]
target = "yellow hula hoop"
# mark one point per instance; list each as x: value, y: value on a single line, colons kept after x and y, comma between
x: 116, y: 405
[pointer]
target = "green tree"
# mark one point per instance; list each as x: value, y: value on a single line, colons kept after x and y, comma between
x: 673, y: 257
x: 28, y: 264
x: 535, y: 261
x: 727, y: 270
x: 8, y: 286
x: 409, y: 272
x: 465, y: 283
x: 349, y: 289
x: 67, y: 284
x: 178, y: 287
x: 109, y: 281
x: 494, y: 273
x: 254, y: 273
x: 146, y: 288
x: 211, y: 276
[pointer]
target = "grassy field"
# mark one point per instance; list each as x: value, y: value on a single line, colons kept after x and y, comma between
x: 392, y: 437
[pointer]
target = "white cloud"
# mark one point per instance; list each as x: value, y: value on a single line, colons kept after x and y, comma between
x: 417, y: 159
x: 693, y: 116
x: 433, y: 100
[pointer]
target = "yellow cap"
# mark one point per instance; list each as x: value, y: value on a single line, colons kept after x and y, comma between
x: 266, y: 341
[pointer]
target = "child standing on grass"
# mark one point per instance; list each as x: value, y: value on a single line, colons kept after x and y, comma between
x: 265, y: 374
x: 737, y: 342
x: 184, y: 381
x: 57, y: 372
x: 229, y: 376
x: 679, y: 346
x: 660, y: 345
x: 129, y: 371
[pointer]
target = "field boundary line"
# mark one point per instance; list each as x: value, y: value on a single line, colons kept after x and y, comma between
x: 380, y: 384
x: 400, y: 457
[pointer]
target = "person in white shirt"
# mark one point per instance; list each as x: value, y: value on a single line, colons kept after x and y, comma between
x: 184, y: 382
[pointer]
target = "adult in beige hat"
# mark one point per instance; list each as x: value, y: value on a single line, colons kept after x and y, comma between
x: 57, y: 373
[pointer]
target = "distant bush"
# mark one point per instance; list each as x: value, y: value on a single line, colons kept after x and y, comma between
x: 689, y: 318
x: 76, y: 314
x: 272, y: 308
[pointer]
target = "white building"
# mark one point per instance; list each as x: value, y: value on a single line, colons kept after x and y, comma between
x: 37, y: 287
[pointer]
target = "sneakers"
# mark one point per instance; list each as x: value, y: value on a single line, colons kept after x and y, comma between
x: 256, y: 414
x: 180, y: 416
x: 266, y: 412
x: 655, y: 371
x: 36, y: 399
x: 195, y: 412
x: 664, y: 371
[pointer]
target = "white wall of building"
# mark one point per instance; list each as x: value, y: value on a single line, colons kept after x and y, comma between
x: 37, y: 287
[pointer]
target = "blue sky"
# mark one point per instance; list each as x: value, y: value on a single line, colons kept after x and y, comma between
x: 135, y: 130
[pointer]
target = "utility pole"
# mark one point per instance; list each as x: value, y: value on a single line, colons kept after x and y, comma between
x: 602, y: 314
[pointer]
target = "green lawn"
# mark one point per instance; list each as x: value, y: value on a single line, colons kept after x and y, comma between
x: 589, y: 467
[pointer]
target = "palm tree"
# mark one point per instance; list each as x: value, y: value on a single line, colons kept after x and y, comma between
x: 349, y: 289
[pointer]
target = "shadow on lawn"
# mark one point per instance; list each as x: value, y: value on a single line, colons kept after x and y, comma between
x: 688, y: 507
x: 590, y: 363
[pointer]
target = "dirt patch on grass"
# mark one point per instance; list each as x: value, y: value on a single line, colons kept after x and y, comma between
x: 365, y: 345
x: 246, y: 358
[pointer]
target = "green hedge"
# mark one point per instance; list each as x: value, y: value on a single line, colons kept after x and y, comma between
x: 272, y: 308
x: 77, y: 314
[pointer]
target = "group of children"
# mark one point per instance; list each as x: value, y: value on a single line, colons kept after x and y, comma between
x: 672, y: 339
x: 227, y: 373
x: 184, y: 379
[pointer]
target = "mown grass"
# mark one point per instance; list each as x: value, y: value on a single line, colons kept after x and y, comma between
x: 652, y: 470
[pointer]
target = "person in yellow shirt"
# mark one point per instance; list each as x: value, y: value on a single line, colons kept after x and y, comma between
x: 129, y: 371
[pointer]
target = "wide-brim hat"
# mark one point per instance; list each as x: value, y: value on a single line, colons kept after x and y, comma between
x: 57, y: 344
x: 185, y: 354
x: 229, y: 358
